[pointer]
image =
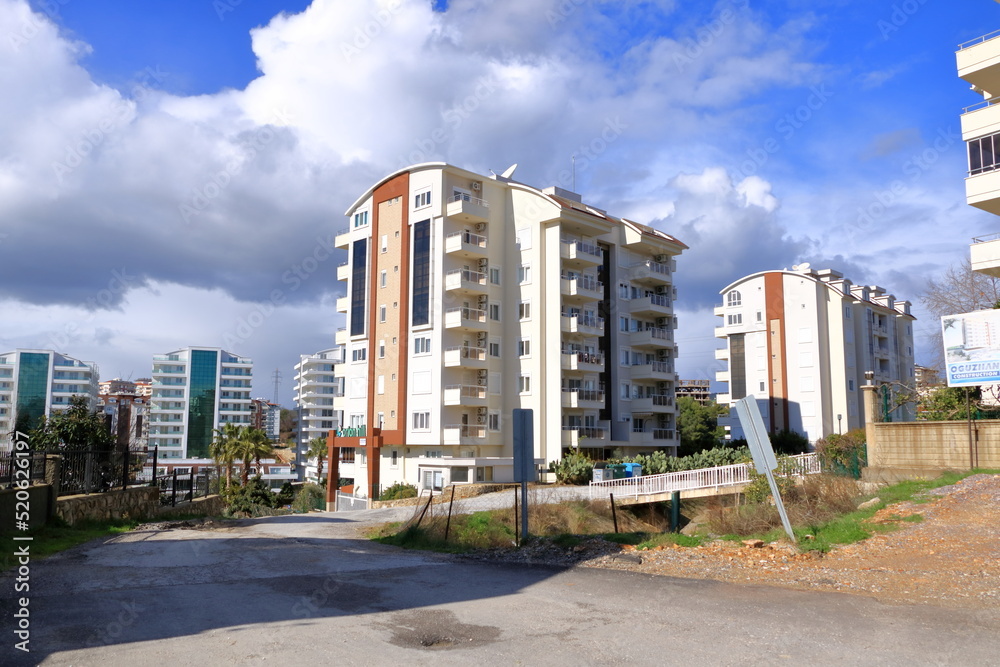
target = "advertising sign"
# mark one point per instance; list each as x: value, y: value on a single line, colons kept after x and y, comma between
x: 972, y: 348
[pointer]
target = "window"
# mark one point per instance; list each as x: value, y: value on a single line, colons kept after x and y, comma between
x: 380, y: 385
x: 760, y: 316
x: 523, y: 238
x: 524, y: 274
x: 433, y: 453
x: 421, y: 421
x: 847, y: 312
x: 850, y: 385
x: 422, y: 345
x: 394, y: 459
x: 361, y: 219
x: 484, y: 474
x: 623, y: 357
x: 735, y: 319
x: 524, y: 384
x: 381, y: 349
x: 381, y: 313
x: 383, y: 279
x: 524, y: 310
x: 493, y: 421
x: 762, y: 387
x: 494, y: 348
x: 625, y: 392
x: 359, y: 275
x: 359, y: 354
x: 983, y: 155
x: 495, y: 312
x: 422, y: 199
x: 421, y: 287
x: 524, y: 348
x: 623, y: 290
x: 494, y: 275
x: 385, y: 243
x: 733, y: 298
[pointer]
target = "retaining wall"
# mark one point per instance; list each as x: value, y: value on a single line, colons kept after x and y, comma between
x: 136, y: 503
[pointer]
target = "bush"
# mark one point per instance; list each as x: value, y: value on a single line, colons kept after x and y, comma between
x: 398, y: 491
x: 789, y: 442
x: 253, y: 500
x: 844, y: 450
x: 309, y: 497
x: 284, y: 496
x: 574, y: 468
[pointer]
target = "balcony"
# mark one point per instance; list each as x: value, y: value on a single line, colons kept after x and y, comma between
x: 583, y: 436
x: 722, y: 354
x: 583, y: 399
x: 467, y: 209
x: 650, y: 273
x: 341, y: 338
x: 465, y: 394
x: 979, y: 62
x: 584, y: 324
x: 983, y: 191
x: 578, y: 253
x: 985, y: 252
x: 657, y: 305
x: 342, y: 239
x: 659, y: 403
x: 657, y: 338
x: 655, y: 370
x: 583, y: 362
x: 465, y: 281
x: 465, y: 357
x: 464, y: 434
x: 465, y: 319
x: 722, y: 376
x: 465, y: 244
x: 660, y: 437
x: 343, y: 271
x: 343, y: 304
x: 582, y: 288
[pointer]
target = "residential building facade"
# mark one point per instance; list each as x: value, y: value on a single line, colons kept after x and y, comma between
x: 195, y: 391
x: 316, y: 387
x: 40, y: 383
x: 801, y: 341
x: 126, y: 412
x: 698, y: 390
x: 470, y: 296
x: 266, y: 416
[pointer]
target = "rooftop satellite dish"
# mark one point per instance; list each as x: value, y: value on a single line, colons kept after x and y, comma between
x: 510, y: 171
x: 804, y: 266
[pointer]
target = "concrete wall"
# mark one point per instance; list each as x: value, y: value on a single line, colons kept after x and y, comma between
x: 209, y: 506
x: 142, y: 502
x: 940, y: 445
x: 38, y: 510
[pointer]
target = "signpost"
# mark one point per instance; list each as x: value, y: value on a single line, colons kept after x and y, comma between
x: 524, y: 459
x: 972, y: 348
x: 763, y: 453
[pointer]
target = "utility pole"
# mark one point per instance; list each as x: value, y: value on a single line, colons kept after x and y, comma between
x: 276, y: 376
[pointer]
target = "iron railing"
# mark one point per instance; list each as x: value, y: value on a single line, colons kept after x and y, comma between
x: 99, y: 471
x: 16, y: 467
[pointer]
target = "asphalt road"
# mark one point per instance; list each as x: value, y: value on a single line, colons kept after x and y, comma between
x: 302, y: 590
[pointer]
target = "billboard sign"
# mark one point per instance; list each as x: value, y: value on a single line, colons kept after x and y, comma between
x: 972, y: 348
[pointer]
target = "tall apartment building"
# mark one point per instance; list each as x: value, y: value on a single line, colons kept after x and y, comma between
x: 979, y: 65
x: 126, y: 412
x: 195, y: 391
x: 801, y: 341
x: 699, y: 390
x: 469, y: 296
x: 316, y: 387
x: 40, y: 383
x: 266, y: 416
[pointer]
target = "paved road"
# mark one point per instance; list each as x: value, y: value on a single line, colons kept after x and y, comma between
x: 303, y: 590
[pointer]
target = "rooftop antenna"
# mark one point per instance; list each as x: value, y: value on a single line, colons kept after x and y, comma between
x: 276, y: 376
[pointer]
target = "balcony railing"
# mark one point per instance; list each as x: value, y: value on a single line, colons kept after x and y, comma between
x: 586, y: 282
x: 469, y: 198
x: 468, y: 430
x: 459, y: 277
x: 466, y: 352
x: 466, y: 390
x: 582, y: 248
x: 585, y: 394
x: 979, y: 40
x: 586, y: 357
x: 468, y: 238
x: 655, y: 366
x: 587, y: 431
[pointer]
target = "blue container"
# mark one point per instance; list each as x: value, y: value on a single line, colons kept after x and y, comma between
x: 633, y: 469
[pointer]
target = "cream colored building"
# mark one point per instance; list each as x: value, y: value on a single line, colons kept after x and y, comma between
x: 316, y: 388
x: 470, y: 296
x: 801, y: 342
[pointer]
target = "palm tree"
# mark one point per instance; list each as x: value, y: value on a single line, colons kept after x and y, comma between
x: 318, y: 449
x: 223, y: 448
x: 252, y: 445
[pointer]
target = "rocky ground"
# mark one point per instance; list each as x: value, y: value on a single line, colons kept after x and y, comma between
x: 950, y: 558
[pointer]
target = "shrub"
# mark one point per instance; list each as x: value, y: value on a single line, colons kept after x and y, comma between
x: 254, y: 499
x: 842, y: 449
x: 284, y: 496
x: 574, y: 468
x: 398, y: 491
x: 789, y: 442
x: 309, y: 497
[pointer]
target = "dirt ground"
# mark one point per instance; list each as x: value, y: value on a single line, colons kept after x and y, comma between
x: 951, y: 558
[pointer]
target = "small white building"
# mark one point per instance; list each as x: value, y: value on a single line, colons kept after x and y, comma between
x: 801, y: 341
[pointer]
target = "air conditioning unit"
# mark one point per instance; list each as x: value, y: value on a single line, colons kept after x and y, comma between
x: 483, y: 301
x: 661, y: 289
x: 483, y: 265
x: 481, y: 227
x: 663, y: 321
x: 480, y: 420
x: 481, y: 339
x: 661, y: 258
x: 483, y: 373
x: 477, y: 186
x: 482, y: 382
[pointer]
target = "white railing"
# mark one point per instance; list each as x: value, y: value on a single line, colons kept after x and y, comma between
x: 979, y: 40
x: 469, y: 198
x: 985, y: 239
x: 468, y: 238
x: 691, y: 480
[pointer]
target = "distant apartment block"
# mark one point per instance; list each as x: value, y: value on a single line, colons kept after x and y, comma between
x: 316, y: 387
x: 266, y: 416
x: 195, y: 391
x: 699, y: 390
x: 126, y: 412
x: 470, y: 296
x: 801, y: 342
x: 40, y: 383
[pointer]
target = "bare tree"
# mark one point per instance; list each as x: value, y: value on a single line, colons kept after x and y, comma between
x: 959, y: 290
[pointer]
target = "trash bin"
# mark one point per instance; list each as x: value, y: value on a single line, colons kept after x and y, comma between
x: 617, y: 471
x: 602, y: 474
x: 633, y: 469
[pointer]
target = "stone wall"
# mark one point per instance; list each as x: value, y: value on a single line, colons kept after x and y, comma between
x: 136, y: 503
x: 461, y: 491
x: 208, y: 506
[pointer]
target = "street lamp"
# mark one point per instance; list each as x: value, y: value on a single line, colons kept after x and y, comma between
x: 839, y: 417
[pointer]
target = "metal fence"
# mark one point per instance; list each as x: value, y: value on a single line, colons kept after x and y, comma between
x: 12, y: 463
x: 347, y: 503
x: 183, y: 488
x: 99, y: 471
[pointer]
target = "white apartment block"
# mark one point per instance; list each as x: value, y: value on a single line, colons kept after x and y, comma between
x: 195, y: 391
x: 801, y: 341
x: 40, y: 383
x: 470, y: 296
x: 316, y: 387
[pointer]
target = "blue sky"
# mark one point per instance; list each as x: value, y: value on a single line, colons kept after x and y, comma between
x: 762, y: 134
